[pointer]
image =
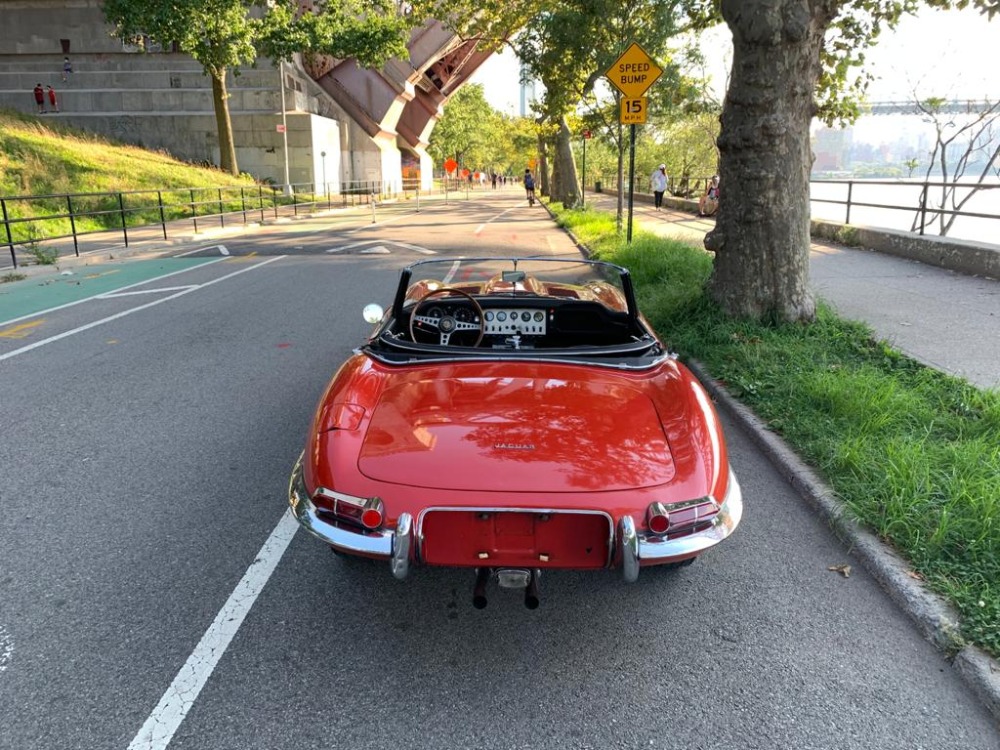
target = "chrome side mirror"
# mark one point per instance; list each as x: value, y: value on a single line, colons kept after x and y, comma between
x: 373, y: 313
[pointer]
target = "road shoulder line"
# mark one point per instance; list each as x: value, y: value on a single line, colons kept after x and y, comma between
x: 159, y: 728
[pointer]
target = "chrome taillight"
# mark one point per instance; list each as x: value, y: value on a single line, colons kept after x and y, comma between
x: 371, y: 516
x: 680, y: 517
x: 368, y: 512
x: 657, y: 518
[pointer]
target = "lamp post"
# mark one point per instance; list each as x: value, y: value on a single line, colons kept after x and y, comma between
x: 284, y: 126
x: 322, y: 155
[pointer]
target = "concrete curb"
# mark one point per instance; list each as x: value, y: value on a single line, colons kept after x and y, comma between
x: 934, y: 617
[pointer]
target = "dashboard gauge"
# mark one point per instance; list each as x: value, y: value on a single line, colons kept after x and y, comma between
x: 463, y: 314
x: 501, y: 316
x: 539, y: 316
x: 435, y: 312
x: 526, y: 316
x: 488, y: 316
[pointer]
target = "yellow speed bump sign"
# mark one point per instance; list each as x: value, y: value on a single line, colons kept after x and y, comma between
x: 633, y: 111
x: 633, y: 72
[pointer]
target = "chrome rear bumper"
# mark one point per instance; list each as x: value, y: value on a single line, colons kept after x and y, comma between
x: 391, y: 545
x: 395, y: 546
x: 638, y: 547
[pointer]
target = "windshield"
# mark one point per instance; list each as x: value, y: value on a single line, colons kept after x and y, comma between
x: 522, y: 277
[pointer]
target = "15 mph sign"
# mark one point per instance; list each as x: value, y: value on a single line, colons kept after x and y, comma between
x: 633, y: 72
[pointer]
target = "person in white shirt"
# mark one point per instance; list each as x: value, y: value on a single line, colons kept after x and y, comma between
x: 659, y: 184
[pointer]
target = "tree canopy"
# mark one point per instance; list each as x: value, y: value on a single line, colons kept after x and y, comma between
x: 479, y: 137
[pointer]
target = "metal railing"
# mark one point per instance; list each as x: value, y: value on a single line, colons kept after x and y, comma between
x: 918, y: 207
x: 918, y: 203
x: 27, y: 221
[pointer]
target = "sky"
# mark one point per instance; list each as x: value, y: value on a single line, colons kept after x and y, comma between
x: 935, y: 53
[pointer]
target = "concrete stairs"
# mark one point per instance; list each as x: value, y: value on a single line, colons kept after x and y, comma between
x: 156, y: 83
x: 163, y: 100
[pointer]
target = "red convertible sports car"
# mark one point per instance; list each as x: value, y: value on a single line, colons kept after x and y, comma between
x: 510, y: 415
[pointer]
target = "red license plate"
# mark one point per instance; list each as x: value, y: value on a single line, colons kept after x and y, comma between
x: 515, y: 539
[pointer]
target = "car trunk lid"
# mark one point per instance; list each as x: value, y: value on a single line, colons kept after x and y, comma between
x: 517, y: 434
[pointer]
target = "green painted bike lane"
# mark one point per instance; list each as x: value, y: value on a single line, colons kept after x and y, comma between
x: 34, y: 295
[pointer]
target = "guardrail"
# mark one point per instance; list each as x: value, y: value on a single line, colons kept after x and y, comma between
x: 916, y: 205
x: 919, y: 208
x: 29, y: 220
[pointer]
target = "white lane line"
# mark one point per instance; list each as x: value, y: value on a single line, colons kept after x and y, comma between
x: 483, y: 226
x: 122, y: 314
x: 408, y: 246
x: 408, y: 214
x: 165, y: 719
x: 376, y: 250
x: 6, y: 648
x: 352, y: 245
x: 451, y: 272
x: 415, y: 248
x: 222, y: 251
x: 112, y: 295
x: 98, y: 296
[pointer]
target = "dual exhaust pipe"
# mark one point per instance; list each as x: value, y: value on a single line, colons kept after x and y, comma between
x: 508, y: 578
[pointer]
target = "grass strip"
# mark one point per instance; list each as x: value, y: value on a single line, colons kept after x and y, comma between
x: 48, y: 158
x: 912, y: 452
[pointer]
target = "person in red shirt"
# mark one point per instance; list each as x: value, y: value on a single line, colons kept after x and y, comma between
x: 40, y: 98
x: 53, y: 102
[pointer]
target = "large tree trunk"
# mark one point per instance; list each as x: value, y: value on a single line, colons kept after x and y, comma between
x: 569, y: 180
x: 555, y: 184
x: 224, y: 125
x: 542, y: 175
x: 761, y: 236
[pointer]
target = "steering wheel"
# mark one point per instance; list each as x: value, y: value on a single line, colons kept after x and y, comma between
x: 446, y: 325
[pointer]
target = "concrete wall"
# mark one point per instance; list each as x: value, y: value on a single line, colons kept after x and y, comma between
x: 38, y: 27
x: 957, y: 255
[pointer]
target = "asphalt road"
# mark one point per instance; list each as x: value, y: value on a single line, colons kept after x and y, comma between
x: 147, y: 442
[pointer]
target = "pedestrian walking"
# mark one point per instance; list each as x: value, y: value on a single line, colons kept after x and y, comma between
x: 53, y: 102
x: 658, y: 180
x: 67, y: 68
x: 40, y: 98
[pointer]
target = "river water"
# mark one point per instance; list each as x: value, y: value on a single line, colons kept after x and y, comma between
x: 904, y: 195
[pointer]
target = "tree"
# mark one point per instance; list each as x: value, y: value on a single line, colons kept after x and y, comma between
x: 478, y: 136
x: 569, y: 45
x: 962, y: 143
x: 224, y: 35
x: 793, y: 59
x: 465, y: 129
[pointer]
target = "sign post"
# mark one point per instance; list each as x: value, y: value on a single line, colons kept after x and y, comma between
x: 583, y: 182
x: 632, y: 74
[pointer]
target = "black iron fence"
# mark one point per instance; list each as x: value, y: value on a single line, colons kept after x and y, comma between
x: 28, y: 221
x: 918, y: 206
